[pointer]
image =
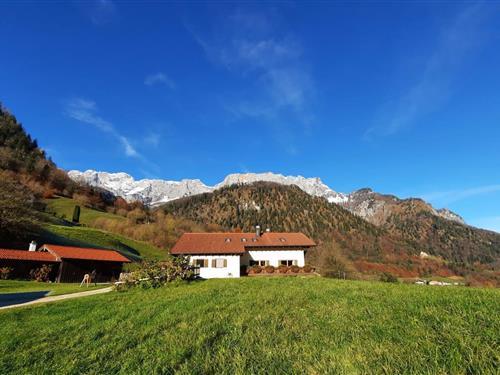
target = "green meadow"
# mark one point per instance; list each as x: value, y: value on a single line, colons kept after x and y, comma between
x: 58, y: 230
x: 259, y: 325
x: 63, y: 207
x: 91, y: 237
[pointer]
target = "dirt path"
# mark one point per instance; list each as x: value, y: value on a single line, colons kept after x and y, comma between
x: 59, y: 298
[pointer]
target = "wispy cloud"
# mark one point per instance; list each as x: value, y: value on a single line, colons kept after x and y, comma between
x: 159, y: 78
x: 456, y: 41
x: 279, y: 82
x: 99, y: 12
x: 152, y: 139
x: 102, y: 11
x: 451, y: 196
x: 85, y: 111
x: 278, y: 88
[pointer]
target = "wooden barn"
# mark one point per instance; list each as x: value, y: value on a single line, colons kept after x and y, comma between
x: 69, y: 264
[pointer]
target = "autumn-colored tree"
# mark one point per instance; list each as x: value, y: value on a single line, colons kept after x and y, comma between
x: 17, y: 214
x: 330, y: 261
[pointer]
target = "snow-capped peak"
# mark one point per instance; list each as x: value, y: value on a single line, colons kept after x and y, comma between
x: 154, y: 192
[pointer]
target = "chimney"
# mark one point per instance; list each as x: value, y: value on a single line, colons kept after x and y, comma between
x: 32, y: 246
x: 268, y: 230
x: 257, y: 230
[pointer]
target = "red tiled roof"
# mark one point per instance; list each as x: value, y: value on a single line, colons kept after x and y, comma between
x: 69, y: 252
x: 237, y: 243
x: 37, y: 256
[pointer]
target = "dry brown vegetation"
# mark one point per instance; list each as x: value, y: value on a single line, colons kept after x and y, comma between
x: 157, y: 228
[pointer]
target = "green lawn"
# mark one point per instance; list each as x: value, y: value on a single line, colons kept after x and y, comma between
x: 14, y: 286
x: 85, y: 236
x: 65, y: 206
x: 259, y: 325
x: 59, y: 232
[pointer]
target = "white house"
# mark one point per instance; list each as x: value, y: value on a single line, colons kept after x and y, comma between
x: 220, y: 255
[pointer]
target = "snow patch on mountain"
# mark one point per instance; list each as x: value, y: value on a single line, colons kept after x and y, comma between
x: 154, y: 192
x: 313, y: 186
x: 150, y: 192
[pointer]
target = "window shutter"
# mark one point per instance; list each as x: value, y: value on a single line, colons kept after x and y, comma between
x: 225, y: 263
x: 214, y: 263
x: 295, y: 262
x: 205, y: 263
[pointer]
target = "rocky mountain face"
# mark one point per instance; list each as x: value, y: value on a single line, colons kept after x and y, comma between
x: 156, y: 192
x: 377, y: 208
x: 365, y: 203
x: 149, y: 192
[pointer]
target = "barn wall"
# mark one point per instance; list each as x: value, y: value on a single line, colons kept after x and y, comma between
x: 73, y: 270
x: 21, y: 268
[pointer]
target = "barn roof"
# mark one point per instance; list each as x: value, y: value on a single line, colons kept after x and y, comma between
x: 238, y: 243
x: 36, y: 256
x: 70, y: 252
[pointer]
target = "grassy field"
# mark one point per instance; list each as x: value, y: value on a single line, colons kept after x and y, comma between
x: 14, y: 286
x: 84, y: 236
x: 59, y: 232
x: 259, y: 325
x: 62, y: 206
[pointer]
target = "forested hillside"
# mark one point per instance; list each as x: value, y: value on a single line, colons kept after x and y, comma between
x: 453, y: 248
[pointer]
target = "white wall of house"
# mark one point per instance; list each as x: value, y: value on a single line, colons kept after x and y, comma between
x: 274, y: 256
x: 231, y: 270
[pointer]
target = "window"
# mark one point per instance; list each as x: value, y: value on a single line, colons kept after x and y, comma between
x: 261, y: 263
x: 202, y: 263
x: 288, y: 262
x: 243, y: 240
x: 228, y: 240
x: 219, y: 263
x: 282, y: 239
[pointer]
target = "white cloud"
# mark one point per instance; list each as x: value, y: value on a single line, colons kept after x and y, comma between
x: 85, y: 111
x: 278, y: 86
x: 279, y: 83
x: 434, y: 86
x: 129, y: 150
x: 159, y: 78
x: 450, y: 196
x: 152, y: 139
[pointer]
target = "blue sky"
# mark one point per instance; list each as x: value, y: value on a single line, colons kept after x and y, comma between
x: 402, y: 98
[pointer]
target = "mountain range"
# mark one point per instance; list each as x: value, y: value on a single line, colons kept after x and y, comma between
x: 370, y: 205
x: 396, y: 234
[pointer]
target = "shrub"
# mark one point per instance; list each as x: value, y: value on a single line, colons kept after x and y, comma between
x: 41, y: 274
x: 283, y: 269
x: 255, y: 269
x: 154, y: 274
x: 76, y: 214
x: 5, y: 273
x: 307, y: 269
x: 388, y: 278
x: 295, y: 269
x: 269, y: 269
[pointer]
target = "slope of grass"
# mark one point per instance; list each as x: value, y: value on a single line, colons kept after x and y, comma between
x: 259, y: 325
x: 62, y: 206
x: 59, y: 232
x: 90, y: 237
x: 54, y: 289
